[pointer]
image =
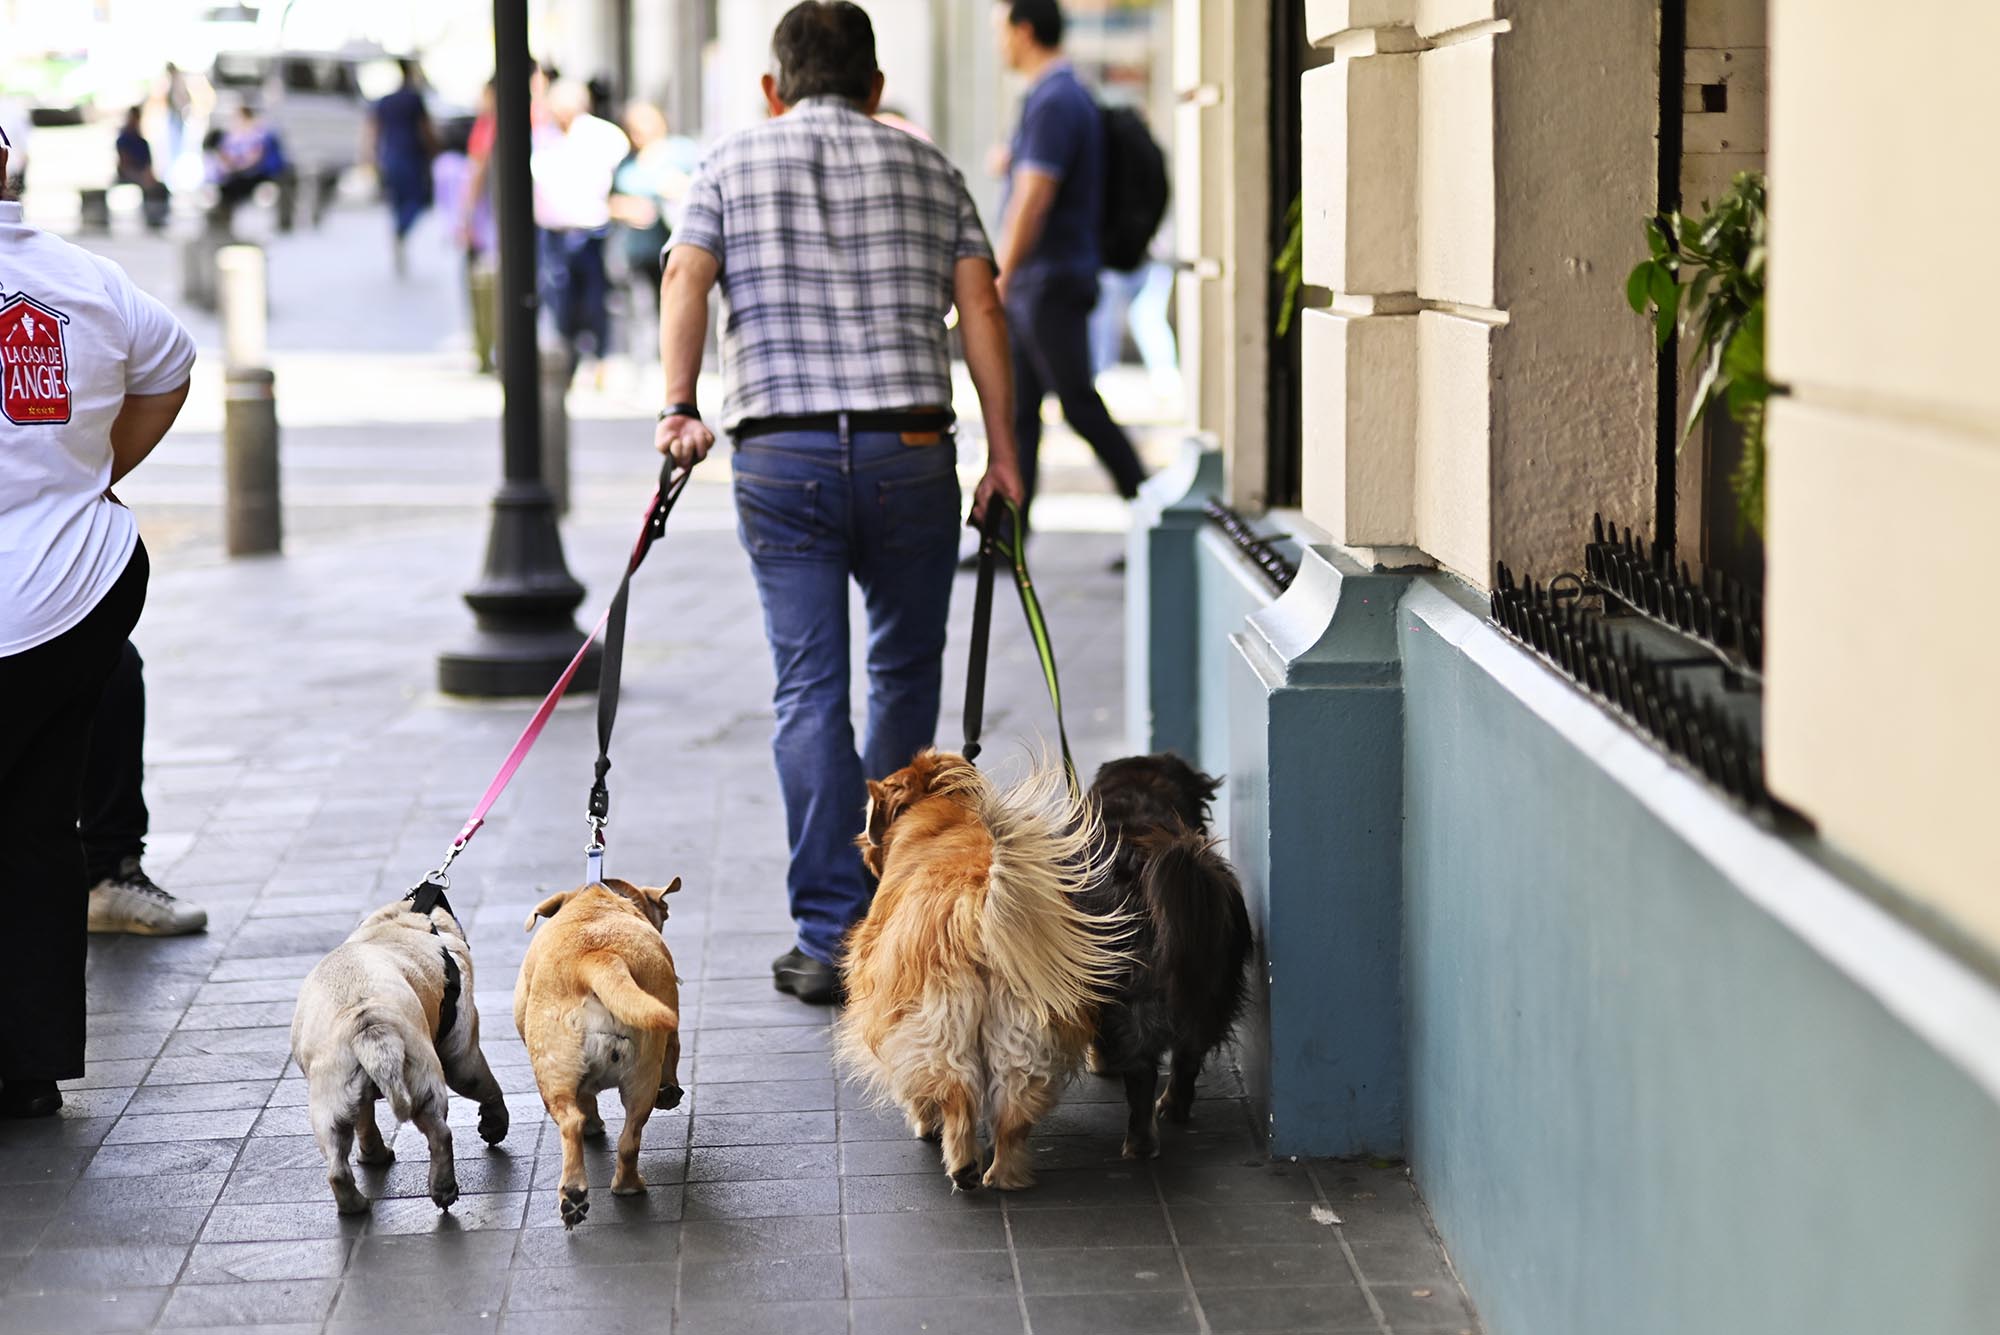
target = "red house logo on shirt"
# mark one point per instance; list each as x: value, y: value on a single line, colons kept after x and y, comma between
x: 34, y: 363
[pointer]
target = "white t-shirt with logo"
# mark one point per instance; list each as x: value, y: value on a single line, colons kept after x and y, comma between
x: 75, y: 338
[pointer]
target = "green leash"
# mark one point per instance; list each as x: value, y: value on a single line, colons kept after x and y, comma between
x: 1004, y: 533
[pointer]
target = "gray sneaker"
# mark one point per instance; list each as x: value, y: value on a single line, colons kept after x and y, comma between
x: 131, y: 904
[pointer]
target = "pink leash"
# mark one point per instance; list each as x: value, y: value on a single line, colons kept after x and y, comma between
x: 433, y: 886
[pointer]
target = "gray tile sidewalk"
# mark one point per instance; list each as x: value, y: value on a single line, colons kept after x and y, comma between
x: 302, y: 770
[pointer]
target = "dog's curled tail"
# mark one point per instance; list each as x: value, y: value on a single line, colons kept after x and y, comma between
x: 378, y: 1050
x: 607, y: 975
x: 1057, y: 959
x: 1201, y: 929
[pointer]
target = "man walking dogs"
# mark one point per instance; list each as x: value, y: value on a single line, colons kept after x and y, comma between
x: 1052, y: 213
x: 92, y: 373
x: 839, y: 244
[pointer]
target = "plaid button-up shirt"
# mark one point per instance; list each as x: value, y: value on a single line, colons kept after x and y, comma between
x: 836, y: 237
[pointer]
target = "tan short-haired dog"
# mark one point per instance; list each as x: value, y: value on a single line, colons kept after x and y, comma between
x: 388, y: 1014
x: 598, y: 1005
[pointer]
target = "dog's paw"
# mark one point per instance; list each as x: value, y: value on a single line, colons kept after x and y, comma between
x: 631, y: 1186
x: 375, y: 1156
x: 669, y: 1098
x: 445, y: 1196
x: 493, y: 1123
x: 1009, y: 1178
x: 965, y: 1178
x: 1141, y: 1147
x: 594, y: 1128
x: 349, y: 1200
x: 1174, y: 1110
x: 574, y: 1204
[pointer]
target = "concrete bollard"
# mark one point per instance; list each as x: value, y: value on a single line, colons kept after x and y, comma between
x: 242, y: 299
x: 252, y: 519
x: 94, y: 212
x: 252, y: 515
x: 555, y: 423
x: 198, y: 260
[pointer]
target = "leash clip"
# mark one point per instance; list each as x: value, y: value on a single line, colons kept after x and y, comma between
x: 440, y: 876
x: 593, y: 852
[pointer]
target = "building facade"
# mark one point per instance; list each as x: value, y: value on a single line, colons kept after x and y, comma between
x: 1685, y: 1026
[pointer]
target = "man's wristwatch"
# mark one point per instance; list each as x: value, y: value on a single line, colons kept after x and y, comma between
x: 680, y: 410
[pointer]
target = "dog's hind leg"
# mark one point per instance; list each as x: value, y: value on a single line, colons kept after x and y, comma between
x: 372, y: 1149
x: 470, y: 1076
x: 958, y: 1119
x: 639, y: 1095
x: 335, y: 1135
x: 574, y: 1199
x: 1019, y: 1101
x: 1177, y: 1104
x: 922, y: 1115
x: 1142, y: 1132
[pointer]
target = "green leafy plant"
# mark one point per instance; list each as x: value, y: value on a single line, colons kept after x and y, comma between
x: 1290, y: 264
x: 1705, y: 277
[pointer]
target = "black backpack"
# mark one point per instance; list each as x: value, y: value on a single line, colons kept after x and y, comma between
x: 1135, y: 189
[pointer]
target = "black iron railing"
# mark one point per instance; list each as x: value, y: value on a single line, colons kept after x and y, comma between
x: 1678, y: 658
x: 1278, y: 569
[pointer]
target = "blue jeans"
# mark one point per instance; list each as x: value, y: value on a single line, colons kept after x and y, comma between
x: 814, y: 509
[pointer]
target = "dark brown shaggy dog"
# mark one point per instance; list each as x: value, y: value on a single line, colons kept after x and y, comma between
x: 1182, y: 987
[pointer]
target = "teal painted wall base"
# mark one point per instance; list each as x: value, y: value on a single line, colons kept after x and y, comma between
x: 1316, y: 695
x: 1162, y: 623
x: 1667, y: 1075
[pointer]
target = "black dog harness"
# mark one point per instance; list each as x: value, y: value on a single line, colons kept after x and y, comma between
x: 428, y: 896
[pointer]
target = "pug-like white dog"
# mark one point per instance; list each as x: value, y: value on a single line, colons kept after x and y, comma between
x: 388, y: 1014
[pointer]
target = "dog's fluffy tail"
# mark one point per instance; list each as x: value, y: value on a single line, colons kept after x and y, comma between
x: 378, y: 1050
x: 608, y: 976
x: 1058, y: 960
x: 1201, y: 930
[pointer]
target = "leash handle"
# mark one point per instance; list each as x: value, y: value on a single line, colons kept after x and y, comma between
x: 1004, y: 531
x: 982, y: 633
x: 611, y: 672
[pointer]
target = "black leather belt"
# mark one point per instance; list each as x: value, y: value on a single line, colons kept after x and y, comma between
x: 901, y: 419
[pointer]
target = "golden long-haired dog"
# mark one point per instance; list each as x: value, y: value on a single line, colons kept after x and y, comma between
x: 598, y: 1005
x: 974, y: 981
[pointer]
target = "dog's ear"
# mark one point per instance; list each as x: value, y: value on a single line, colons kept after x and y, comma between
x: 883, y: 807
x: 548, y: 908
x: 658, y: 894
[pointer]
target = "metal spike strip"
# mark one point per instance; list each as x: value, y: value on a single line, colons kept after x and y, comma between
x: 1715, y: 610
x: 1614, y: 669
x: 1278, y: 571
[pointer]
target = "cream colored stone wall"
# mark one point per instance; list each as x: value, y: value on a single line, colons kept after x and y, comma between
x: 1884, y: 487
x: 1513, y: 148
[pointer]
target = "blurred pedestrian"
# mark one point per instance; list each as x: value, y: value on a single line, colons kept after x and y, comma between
x: 405, y: 142
x: 572, y: 169
x: 839, y: 243
x: 92, y: 374
x: 648, y: 192
x: 135, y: 167
x: 246, y: 155
x: 177, y: 97
x: 1053, y: 208
x: 113, y: 819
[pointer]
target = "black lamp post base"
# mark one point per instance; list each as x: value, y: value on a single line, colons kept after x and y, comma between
x: 511, y: 663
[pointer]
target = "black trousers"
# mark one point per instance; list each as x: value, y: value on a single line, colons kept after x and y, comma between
x: 113, y: 815
x: 1048, y: 325
x: 52, y: 693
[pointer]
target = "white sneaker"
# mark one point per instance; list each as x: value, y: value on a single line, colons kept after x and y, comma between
x: 131, y: 904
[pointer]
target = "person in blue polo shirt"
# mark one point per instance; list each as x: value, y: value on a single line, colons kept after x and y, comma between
x: 1052, y: 211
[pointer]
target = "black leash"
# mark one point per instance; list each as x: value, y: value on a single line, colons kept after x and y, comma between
x: 611, y: 672
x: 1004, y: 533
